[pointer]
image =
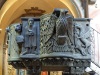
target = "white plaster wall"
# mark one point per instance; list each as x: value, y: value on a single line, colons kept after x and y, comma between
x: 94, y: 14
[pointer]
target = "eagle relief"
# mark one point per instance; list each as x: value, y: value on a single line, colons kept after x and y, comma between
x: 56, y: 32
x: 62, y: 34
x: 51, y: 42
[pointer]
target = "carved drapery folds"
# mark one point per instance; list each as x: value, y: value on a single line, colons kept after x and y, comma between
x: 29, y: 37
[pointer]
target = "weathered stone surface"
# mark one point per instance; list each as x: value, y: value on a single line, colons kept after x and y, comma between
x: 55, y: 40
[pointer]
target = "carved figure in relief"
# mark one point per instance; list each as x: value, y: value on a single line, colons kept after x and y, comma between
x: 56, y: 31
x: 30, y: 38
x: 83, y: 36
x: 61, y: 28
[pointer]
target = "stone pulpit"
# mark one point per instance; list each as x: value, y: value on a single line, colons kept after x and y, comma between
x: 51, y: 42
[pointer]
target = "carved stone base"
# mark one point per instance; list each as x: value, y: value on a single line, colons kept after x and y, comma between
x: 31, y: 56
x: 77, y: 70
x: 63, y: 61
x: 66, y: 54
x: 17, y: 64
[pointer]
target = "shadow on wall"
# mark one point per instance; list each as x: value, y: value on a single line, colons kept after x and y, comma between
x: 2, y: 2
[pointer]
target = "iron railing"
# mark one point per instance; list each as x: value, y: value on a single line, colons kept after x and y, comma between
x: 95, y: 51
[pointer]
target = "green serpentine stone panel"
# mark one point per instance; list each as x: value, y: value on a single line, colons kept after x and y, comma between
x: 64, y: 36
x: 13, y: 48
x: 52, y: 42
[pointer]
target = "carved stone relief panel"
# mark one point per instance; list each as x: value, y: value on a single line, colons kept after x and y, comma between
x: 56, y: 31
x: 82, y: 37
